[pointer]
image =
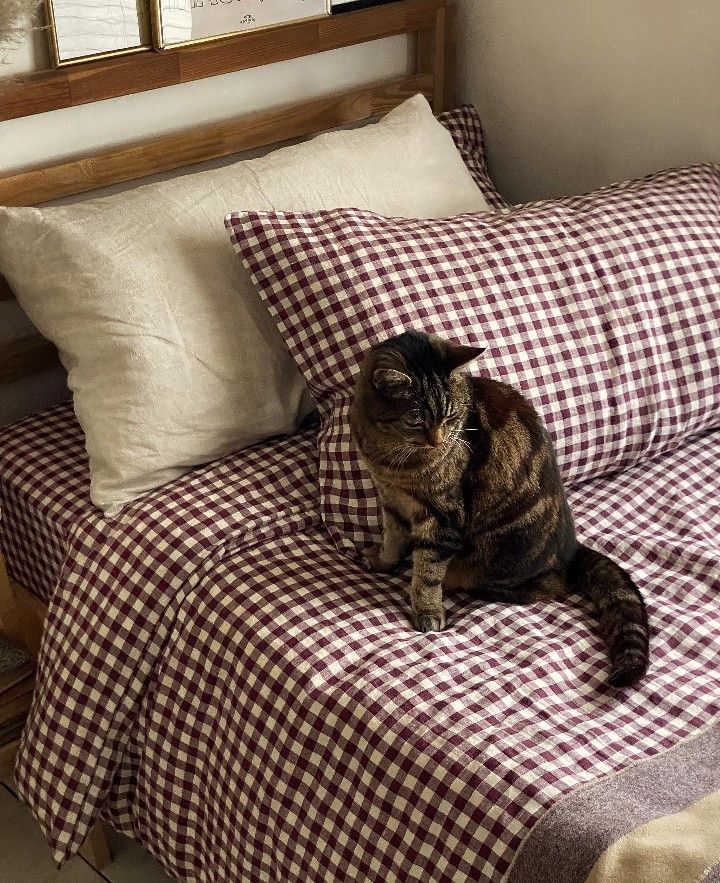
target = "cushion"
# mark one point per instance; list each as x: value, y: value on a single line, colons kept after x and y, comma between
x: 603, y: 309
x: 171, y: 359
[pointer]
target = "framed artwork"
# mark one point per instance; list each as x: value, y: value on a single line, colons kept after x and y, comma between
x: 80, y: 30
x: 179, y: 22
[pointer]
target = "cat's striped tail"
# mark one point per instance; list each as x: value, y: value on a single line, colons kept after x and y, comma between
x: 620, y: 609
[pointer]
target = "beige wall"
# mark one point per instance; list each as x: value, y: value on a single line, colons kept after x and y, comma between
x: 578, y: 93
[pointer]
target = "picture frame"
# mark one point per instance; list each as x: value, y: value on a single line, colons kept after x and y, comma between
x: 115, y: 27
x: 188, y: 22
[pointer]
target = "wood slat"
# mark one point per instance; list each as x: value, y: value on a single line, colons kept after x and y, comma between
x: 124, y: 75
x: 432, y: 56
x: 303, y: 38
x: 209, y: 142
x: 450, y: 58
x: 120, y: 75
x: 36, y: 93
x: 26, y: 356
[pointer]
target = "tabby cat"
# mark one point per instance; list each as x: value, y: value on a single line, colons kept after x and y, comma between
x: 470, y: 487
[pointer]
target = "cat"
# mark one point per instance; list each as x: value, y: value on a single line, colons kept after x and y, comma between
x: 470, y: 488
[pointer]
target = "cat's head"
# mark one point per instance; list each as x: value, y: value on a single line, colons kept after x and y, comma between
x: 410, y: 394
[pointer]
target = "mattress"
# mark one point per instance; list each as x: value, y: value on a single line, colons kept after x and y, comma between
x: 44, y: 492
x: 46, y: 515
x: 218, y: 681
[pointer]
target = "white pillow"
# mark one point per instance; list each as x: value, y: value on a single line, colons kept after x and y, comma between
x: 171, y: 357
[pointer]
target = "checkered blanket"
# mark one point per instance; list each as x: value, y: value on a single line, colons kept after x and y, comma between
x: 220, y: 682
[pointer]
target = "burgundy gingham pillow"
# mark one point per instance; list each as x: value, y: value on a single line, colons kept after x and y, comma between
x: 604, y: 309
x: 464, y: 125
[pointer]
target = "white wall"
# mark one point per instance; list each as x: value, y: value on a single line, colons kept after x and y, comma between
x: 579, y: 93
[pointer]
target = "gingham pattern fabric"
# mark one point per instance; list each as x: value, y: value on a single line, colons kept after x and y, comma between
x: 121, y: 585
x: 603, y: 309
x: 464, y: 125
x: 295, y: 729
x: 220, y: 682
x: 44, y: 493
x: 44, y: 479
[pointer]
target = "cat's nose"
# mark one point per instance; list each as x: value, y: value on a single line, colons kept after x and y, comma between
x: 434, y: 435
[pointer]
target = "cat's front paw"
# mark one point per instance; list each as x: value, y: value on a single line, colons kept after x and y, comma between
x: 432, y: 620
x: 376, y: 562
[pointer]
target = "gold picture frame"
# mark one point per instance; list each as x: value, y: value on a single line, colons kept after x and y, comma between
x: 159, y: 38
x: 59, y: 59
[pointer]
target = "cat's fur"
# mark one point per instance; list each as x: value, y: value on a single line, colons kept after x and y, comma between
x: 469, y: 486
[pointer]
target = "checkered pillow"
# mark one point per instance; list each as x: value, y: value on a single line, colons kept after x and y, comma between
x: 464, y: 125
x: 604, y: 309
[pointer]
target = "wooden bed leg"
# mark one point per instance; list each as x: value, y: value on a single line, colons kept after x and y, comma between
x: 95, y: 849
x: 22, y: 615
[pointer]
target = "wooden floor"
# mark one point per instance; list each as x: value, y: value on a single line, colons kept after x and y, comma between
x: 25, y: 857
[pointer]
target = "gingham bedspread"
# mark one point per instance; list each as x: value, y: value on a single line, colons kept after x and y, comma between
x: 219, y: 681
x: 44, y: 492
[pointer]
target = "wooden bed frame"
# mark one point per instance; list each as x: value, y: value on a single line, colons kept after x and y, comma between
x: 21, y: 614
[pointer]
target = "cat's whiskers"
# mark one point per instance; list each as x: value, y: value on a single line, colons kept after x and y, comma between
x: 457, y: 439
x: 400, y: 455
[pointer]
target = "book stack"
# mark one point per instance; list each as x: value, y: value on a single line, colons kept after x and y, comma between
x: 16, y: 686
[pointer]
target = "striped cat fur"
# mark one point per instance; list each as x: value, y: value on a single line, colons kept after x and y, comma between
x: 470, y: 489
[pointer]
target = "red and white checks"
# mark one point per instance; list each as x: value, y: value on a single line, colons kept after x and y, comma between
x: 603, y: 309
x: 464, y: 125
x: 222, y: 683
x: 120, y: 584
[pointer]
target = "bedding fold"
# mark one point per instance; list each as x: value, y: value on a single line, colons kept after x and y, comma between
x: 655, y: 822
x: 682, y: 846
x: 120, y: 588
x: 220, y: 682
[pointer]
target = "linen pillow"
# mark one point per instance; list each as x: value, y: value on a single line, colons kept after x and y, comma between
x: 171, y: 359
x: 604, y: 309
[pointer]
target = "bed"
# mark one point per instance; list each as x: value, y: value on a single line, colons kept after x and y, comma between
x: 218, y: 680
x: 245, y: 716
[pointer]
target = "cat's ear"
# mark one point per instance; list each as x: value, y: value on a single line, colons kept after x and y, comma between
x: 458, y: 355
x: 391, y: 382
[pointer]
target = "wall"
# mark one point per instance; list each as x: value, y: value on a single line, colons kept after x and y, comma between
x: 37, y: 139
x: 579, y: 93
x: 40, y: 139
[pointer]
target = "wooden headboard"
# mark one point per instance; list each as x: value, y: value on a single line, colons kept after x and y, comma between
x: 109, y: 78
